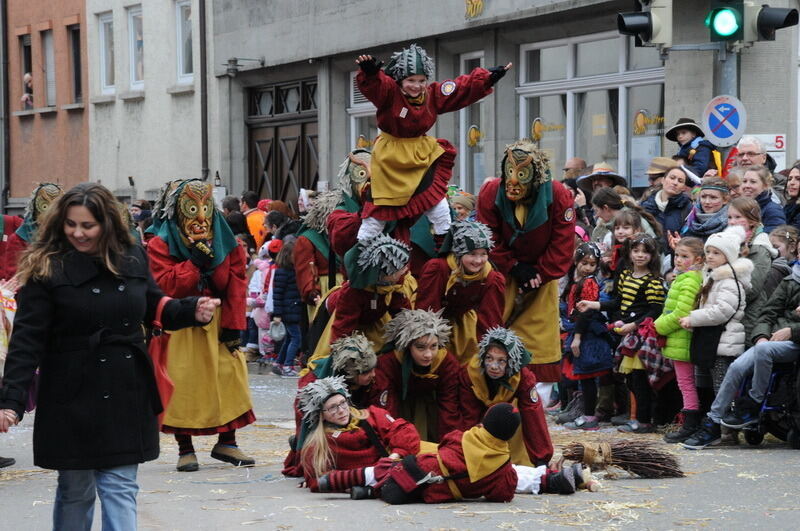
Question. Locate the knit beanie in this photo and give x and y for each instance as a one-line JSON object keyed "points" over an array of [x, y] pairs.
{"points": [[501, 421], [729, 242]]}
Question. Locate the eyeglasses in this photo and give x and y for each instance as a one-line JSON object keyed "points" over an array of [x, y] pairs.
{"points": [[341, 406], [748, 154]]}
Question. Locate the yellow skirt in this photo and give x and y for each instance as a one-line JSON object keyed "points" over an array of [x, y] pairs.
{"points": [[398, 166], [537, 324], [211, 387], [630, 364]]}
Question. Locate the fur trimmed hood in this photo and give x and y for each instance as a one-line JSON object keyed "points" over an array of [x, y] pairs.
{"points": [[742, 266], [762, 239]]}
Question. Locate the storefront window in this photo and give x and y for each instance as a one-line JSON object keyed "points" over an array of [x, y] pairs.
{"points": [[471, 168], [547, 122], [646, 126], [597, 57], [546, 64], [596, 126]]}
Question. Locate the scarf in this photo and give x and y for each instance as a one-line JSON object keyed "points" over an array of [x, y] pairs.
{"points": [[407, 368], [796, 272], [661, 204], [505, 391], [458, 275], [535, 214], [703, 225], [483, 453]]}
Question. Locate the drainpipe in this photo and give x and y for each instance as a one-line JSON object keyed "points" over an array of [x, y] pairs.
{"points": [[5, 177], [203, 92]]}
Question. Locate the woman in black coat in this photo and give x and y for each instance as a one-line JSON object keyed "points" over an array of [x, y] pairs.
{"points": [[86, 292]]}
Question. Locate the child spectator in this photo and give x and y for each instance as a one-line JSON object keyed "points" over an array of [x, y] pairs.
{"points": [[784, 239], [695, 149], [638, 295], [680, 301], [288, 308]]}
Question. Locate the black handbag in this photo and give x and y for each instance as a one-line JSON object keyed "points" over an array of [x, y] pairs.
{"points": [[705, 339]]}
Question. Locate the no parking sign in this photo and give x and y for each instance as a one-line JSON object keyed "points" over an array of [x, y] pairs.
{"points": [[724, 121]]}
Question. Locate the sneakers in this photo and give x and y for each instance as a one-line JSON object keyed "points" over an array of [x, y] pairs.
{"points": [[289, 372], [187, 463], [691, 421], [6, 461], [573, 410], [634, 426], [583, 423], [745, 413], [277, 369], [232, 455], [707, 435], [620, 420]]}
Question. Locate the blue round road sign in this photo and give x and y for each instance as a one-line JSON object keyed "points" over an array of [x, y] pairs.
{"points": [[724, 120]]}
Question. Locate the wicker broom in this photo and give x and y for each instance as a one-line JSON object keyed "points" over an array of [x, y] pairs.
{"points": [[641, 458]]}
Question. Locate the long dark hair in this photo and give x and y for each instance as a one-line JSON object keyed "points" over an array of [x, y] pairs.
{"points": [[51, 242], [285, 258], [650, 245]]}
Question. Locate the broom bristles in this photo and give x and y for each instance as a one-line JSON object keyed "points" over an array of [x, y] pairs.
{"points": [[641, 458]]}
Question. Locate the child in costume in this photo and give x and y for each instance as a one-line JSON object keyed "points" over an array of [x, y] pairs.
{"points": [[410, 171], [638, 295], [344, 439], [532, 219], [194, 252], [465, 285], [352, 357], [466, 465], [417, 378], [378, 287], [500, 372], [589, 358], [680, 302]]}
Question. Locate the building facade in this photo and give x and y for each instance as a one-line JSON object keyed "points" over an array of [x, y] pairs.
{"points": [[48, 126], [145, 111], [289, 109]]}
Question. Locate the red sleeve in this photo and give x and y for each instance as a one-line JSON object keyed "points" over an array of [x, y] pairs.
{"points": [[555, 262], [501, 255], [377, 89], [447, 395], [490, 312], [343, 230], [307, 279], [386, 389], [471, 407], [176, 279], [399, 435], [434, 280], [534, 426], [469, 89], [348, 310], [590, 290], [230, 280]]}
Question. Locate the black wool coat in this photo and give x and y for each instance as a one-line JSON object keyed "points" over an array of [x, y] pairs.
{"points": [[97, 403]]}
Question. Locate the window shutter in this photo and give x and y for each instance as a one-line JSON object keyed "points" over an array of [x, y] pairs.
{"points": [[356, 98], [49, 67]]}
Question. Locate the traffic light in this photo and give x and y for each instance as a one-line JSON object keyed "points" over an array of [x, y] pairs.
{"points": [[651, 25], [761, 21], [725, 20]]}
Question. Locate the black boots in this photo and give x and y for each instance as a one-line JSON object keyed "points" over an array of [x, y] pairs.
{"points": [[562, 482], [691, 421]]}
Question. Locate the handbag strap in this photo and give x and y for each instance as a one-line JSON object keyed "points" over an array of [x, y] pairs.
{"points": [[157, 327], [373, 437], [738, 296]]}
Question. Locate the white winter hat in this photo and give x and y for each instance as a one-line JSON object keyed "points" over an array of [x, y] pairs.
{"points": [[729, 242]]}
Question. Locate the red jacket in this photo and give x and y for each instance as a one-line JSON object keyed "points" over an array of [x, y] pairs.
{"points": [[548, 247], [309, 264], [534, 426], [485, 297], [179, 278], [354, 449], [499, 486], [11, 246], [387, 391], [354, 309]]}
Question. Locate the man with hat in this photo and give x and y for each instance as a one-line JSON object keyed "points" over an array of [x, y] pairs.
{"points": [[603, 175], [698, 151]]}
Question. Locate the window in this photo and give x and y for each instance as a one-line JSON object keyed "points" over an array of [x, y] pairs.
{"points": [[470, 133], [183, 18], [299, 97], [596, 97], [136, 48], [74, 33], [27, 70], [49, 60], [106, 38], [363, 122]]}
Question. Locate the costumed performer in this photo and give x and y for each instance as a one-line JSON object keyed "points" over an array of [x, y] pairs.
{"points": [[195, 253]]}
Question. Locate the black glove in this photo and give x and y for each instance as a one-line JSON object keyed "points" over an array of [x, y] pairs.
{"points": [[524, 273], [497, 72], [201, 255], [371, 66], [230, 338]]}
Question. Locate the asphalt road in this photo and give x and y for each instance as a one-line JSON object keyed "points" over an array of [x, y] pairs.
{"points": [[725, 488]]}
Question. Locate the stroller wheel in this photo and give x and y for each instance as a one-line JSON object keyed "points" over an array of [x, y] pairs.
{"points": [[753, 437], [794, 439]]}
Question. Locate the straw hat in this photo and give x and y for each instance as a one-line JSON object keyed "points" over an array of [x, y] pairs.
{"points": [[661, 165], [604, 170]]}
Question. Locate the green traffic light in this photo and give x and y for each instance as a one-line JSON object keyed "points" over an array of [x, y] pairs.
{"points": [[724, 22]]}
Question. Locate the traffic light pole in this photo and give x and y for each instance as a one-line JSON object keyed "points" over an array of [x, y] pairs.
{"points": [[726, 66]]}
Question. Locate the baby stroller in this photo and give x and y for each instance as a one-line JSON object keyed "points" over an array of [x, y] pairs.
{"points": [[780, 411]]}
